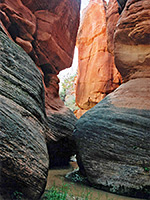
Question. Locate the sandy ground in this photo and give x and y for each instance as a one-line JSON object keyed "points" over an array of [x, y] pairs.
{"points": [[57, 177]]}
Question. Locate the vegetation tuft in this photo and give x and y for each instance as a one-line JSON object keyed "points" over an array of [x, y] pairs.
{"points": [[64, 193], [17, 195], [55, 193]]}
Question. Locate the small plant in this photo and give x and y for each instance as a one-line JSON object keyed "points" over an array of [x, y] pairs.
{"points": [[17, 195], [86, 196], [55, 193], [135, 147], [146, 169]]}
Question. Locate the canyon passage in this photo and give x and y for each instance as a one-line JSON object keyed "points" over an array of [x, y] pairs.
{"points": [[110, 131]]}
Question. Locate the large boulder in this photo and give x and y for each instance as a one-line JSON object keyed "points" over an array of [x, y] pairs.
{"points": [[112, 140], [63, 146], [97, 73], [112, 137], [24, 157]]}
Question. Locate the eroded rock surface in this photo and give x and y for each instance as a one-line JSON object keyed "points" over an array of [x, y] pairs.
{"points": [[62, 124], [112, 17], [24, 157], [97, 74], [121, 4], [117, 129], [38, 27], [132, 40], [47, 30], [112, 141]]}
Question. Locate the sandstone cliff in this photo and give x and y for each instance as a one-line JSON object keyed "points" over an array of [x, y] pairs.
{"points": [[38, 28], [117, 129], [132, 40], [97, 74]]}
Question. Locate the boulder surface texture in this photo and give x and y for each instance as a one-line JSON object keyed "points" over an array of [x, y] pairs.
{"points": [[32, 120], [47, 31], [24, 158], [97, 73], [113, 137]]}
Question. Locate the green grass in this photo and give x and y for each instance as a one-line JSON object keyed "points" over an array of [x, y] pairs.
{"points": [[17, 195], [63, 193], [55, 193]]}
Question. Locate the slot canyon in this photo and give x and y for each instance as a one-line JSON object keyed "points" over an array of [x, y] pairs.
{"points": [[110, 130]]}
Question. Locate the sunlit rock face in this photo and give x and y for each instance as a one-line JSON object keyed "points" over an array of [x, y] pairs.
{"points": [[97, 74], [117, 129]]}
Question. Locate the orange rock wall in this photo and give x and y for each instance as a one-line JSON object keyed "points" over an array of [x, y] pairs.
{"points": [[132, 40], [47, 31], [112, 17], [97, 74]]}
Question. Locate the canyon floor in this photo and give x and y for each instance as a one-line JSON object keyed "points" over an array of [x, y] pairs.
{"points": [[57, 177]]}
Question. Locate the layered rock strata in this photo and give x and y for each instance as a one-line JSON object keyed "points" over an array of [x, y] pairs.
{"points": [[46, 30], [117, 129], [24, 157], [112, 17], [38, 27], [132, 41], [97, 74], [31, 119]]}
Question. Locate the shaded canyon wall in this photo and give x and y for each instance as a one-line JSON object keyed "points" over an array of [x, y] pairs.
{"points": [[36, 128], [38, 28]]}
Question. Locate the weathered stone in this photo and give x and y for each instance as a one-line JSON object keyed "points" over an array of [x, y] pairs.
{"points": [[112, 17], [132, 40], [47, 30], [22, 22], [121, 4], [23, 153], [61, 121], [62, 124], [112, 140], [97, 74], [26, 45], [113, 151], [50, 25]]}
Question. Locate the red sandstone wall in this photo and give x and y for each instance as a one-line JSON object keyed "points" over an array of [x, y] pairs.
{"points": [[97, 73]]}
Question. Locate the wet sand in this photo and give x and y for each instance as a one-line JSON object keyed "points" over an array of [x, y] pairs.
{"points": [[57, 177]]}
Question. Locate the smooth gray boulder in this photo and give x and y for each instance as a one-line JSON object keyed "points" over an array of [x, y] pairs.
{"points": [[113, 141]]}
